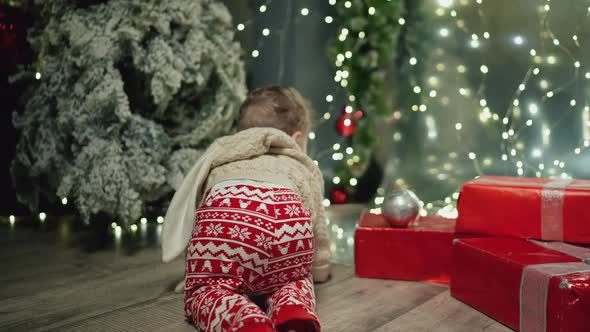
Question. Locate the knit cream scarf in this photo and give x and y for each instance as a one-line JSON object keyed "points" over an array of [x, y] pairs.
{"points": [[246, 144]]}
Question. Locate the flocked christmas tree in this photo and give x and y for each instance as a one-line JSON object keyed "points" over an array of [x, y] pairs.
{"points": [[127, 95]]}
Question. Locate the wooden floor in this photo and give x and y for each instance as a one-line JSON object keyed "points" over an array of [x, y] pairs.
{"points": [[56, 277]]}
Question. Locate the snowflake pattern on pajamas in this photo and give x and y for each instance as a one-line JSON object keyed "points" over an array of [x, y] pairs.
{"points": [[250, 240]]}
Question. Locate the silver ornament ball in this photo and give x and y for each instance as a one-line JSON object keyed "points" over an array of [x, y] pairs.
{"points": [[400, 207]]}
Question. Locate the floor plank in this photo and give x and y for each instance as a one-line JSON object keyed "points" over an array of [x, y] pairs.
{"points": [[99, 293], [443, 314], [54, 280], [366, 304], [166, 312], [162, 314]]}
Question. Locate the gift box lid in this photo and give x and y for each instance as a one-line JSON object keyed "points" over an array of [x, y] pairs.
{"points": [[542, 209], [524, 183], [522, 283], [517, 251]]}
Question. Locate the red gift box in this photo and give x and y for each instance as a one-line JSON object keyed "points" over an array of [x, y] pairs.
{"points": [[420, 252], [544, 209], [522, 284]]}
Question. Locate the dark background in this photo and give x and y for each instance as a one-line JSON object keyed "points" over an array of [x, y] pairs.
{"points": [[13, 51]]}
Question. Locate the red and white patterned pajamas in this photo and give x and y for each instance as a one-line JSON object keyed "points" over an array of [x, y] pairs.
{"points": [[251, 238]]}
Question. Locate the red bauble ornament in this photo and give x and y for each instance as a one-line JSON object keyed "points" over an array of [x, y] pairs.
{"points": [[338, 196], [345, 125]]}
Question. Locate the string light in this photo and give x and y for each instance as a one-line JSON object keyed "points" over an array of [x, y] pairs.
{"points": [[510, 121], [42, 216], [143, 221], [445, 3], [64, 201], [11, 220], [38, 75], [118, 231], [160, 219]]}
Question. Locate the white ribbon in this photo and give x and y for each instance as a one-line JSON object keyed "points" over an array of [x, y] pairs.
{"points": [[534, 287], [552, 209], [534, 284]]}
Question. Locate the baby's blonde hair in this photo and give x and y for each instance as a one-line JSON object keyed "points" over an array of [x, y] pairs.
{"points": [[277, 107]]}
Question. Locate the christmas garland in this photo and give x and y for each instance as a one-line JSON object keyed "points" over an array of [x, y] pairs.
{"points": [[374, 45]]}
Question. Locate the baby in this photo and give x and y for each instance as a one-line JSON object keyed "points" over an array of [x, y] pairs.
{"points": [[260, 224]]}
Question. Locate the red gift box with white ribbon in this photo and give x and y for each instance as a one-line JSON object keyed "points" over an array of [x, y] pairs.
{"points": [[529, 286], [421, 252], [543, 209]]}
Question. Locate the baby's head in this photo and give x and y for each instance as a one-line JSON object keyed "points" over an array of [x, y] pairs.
{"points": [[277, 107]]}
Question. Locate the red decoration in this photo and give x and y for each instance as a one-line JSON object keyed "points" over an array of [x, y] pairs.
{"points": [[421, 252], [487, 274], [544, 209], [338, 196], [346, 125]]}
